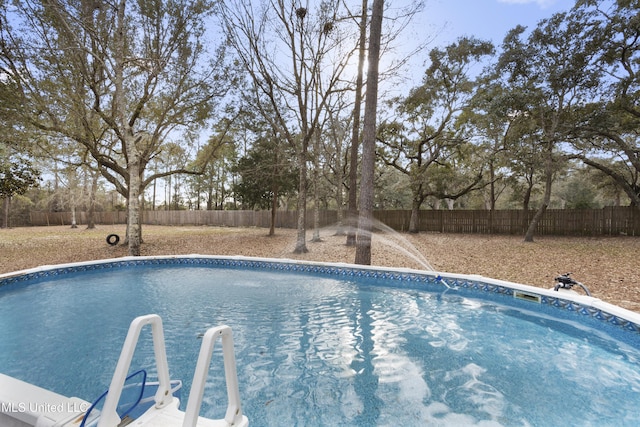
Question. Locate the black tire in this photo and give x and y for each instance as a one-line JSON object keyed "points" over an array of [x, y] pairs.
{"points": [[113, 239]]}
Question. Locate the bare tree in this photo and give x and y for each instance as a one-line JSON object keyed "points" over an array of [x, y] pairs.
{"points": [[295, 58], [363, 238], [355, 132], [396, 25]]}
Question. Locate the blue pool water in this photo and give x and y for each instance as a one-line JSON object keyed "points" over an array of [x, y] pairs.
{"points": [[317, 349]]}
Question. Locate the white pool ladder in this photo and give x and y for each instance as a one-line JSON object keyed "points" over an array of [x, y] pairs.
{"points": [[165, 412]]}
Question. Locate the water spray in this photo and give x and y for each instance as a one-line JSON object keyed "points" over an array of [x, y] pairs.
{"points": [[388, 237]]}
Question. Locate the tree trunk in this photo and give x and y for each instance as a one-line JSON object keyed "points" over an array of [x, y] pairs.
{"points": [[6, 203], [301, 239], [363, 238], [316, 191], [339, 184], [72, 202], [352, 213], [153, 200], [525, 205], [274, 207], [74, 223], [546, 200], [413, 220], [450, 204], [492, 206], [134, 231], [91, 215]]}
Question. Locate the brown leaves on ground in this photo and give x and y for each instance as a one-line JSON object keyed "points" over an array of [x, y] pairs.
{"points": [[607, 265]]}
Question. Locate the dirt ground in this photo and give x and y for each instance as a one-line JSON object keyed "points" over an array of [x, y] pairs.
{"points": [[609, 266]]}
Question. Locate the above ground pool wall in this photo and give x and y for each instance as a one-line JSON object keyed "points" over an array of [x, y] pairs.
{"points": [[595, 308]]}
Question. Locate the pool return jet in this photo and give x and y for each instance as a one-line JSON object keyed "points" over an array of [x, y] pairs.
{"points": [[130, 400]]}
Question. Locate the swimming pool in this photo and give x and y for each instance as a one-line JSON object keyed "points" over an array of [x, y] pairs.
{"points": [[326, 344]]}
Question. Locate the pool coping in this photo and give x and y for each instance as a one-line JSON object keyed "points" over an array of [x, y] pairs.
{"points": [[568, 300]]}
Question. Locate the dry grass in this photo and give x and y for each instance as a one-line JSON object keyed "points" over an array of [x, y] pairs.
{"points": [[608, 266]]}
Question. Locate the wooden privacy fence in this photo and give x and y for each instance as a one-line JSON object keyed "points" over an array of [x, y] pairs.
{"points": [[586, 222], [611, 221]]}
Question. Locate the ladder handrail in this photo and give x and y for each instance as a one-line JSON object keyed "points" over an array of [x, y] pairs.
{"points": [[109, 416], [233, 415]]}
